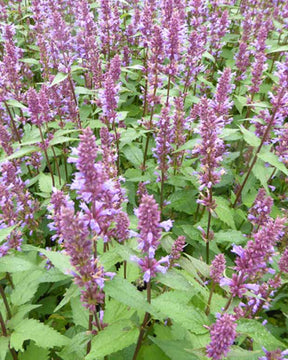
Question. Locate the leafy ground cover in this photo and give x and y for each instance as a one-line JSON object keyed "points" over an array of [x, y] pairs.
{"points": [[143, 179]]}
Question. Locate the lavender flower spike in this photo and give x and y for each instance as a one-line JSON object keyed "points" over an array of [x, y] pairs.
{"points": [[223, 334], [217, 268], [149, 225]]}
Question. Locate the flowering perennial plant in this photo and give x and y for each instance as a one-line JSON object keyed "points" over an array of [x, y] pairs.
{"points": [[143, 179]]}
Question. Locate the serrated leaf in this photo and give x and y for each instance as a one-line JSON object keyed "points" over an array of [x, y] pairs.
{"points": [[282, 48], [4, 343], [176, 350], [26, 285], [80, 313], [133, 154], [59, 78], [194, 266], [43, 335], [45, 182], [34, 352], [71, 293], [80, 90], [30, 61], [237, 353], [260, 335], [224, 212], [5, 232], [77, 348], [273, 160], [250, 137], [124, 292], [113, 338], [240, 102], [62, 139], [12, 263], [229, 237], [175, 280], [174, 305], [115, 311], [59, 260], [22, 152], [262, 173], [20, 313], [17, 104]]}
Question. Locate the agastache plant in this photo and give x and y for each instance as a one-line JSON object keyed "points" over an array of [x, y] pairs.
{"points": [[119, 119], [211, 149]]}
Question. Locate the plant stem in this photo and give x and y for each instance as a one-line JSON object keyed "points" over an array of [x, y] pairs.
{"points": [[207, 311], [46, 155], [258, 150], [208, 228], [4, 332], [89, 329], [144, 323], [5, 302]]}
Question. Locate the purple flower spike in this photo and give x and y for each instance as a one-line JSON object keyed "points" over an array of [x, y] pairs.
{"points": [[223, 334], [217, 268], [274, 355], [283, 263], [149, 224]]}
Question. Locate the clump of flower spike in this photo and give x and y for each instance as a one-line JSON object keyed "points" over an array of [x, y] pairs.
{"points": [[89, 276], [163, 143], [259, 213], [211, 148], [274, 355], [149, 235], [17, 208], [101, 195], [223, 334], [217, 268]]}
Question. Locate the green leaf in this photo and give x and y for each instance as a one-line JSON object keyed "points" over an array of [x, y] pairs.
{"points": [[17, 104], [43, 335], [80, 90], [224, 212], [113, 338], [59, 78], [30, 61], [176, 350], [62, 139], [59, 260], [76, 349], [260, 335], [250, 137], [262, 173], [133, 154], [237, 353], [240, 102], [22, 152], [71, 293], [174, 305], [12, 263], [26, 284], [273, 160], [5, 232], [4, 343], [33, 352], [229, 237], [282, 48], [45, 183], [175, 280], [124, 292], [115, 311], [194, 266], [80, 313]]}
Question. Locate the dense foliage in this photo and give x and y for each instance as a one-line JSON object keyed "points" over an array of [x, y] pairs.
{"points": [[143, 179]]}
